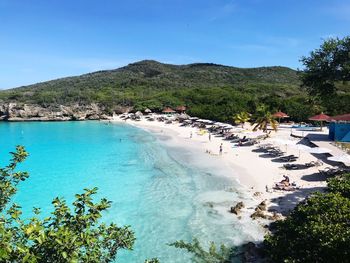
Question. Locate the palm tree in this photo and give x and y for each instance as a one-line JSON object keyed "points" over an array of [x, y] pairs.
{"points": [[264, 118], [241, 118]]}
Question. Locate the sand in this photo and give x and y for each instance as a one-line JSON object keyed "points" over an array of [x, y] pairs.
{"points": [[256, 174]]}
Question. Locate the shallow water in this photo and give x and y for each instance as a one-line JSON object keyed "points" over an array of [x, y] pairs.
{"points": [[162, 192]]}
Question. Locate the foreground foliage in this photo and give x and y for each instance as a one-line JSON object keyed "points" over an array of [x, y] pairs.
{"points": [[327, 75], [200, 255], [340, 184], [67, 235], [318, 230]]}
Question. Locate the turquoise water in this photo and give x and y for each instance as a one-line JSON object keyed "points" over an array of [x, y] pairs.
{"points": [[154, 188]]}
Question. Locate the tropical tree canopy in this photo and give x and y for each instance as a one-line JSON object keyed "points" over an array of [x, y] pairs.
{"points": [[327, 68], [263, 118], [241, 118]]}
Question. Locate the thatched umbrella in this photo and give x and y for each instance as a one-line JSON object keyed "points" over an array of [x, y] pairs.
{"points": [[168, 110], [181, 109], [138, 114], [320, 117], [280, 115], [147, 110]]}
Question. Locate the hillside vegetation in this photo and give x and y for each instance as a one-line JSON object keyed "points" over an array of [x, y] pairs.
{"points": [[210, 90]]}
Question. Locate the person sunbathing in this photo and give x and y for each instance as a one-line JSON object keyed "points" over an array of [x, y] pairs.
{"points": [[284, 182]]}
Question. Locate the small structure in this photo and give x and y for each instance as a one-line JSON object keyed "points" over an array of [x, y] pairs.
{"points": [[147, 111], [280, 115], [320, 117], [168, 110], [339, 128], [181, 109]]}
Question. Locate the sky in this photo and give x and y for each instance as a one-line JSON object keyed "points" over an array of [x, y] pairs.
{"points": [[42, 40]]}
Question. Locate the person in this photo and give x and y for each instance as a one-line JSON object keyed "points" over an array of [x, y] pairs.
{"points": [[209, 136], [220, 149], [191, 135], [285, 181]]}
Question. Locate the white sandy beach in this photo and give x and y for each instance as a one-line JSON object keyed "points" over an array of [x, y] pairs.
{"points": [[254, 173]]}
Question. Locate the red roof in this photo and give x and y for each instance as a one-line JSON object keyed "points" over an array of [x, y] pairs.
{"points": [[280, 114], [319, 117], [168, 110], [344, 117]]}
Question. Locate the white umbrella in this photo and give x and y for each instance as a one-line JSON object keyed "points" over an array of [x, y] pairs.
{"points": [[319, 150], [340, 158], [301, 147], [284, 142], [255, 134]]}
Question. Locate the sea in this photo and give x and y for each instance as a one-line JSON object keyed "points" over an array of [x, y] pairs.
{"points": [[163, 192]]}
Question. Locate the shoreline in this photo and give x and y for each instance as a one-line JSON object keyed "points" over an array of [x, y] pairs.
{"points": [[253, 173]]}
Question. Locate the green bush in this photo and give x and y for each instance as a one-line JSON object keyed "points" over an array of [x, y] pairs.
{"points": [[340, 184], [317, 230]]}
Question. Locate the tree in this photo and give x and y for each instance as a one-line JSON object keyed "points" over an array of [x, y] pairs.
{"points": [[200, 255], [65, 236], [317, 230], [263, 118], [340, 184], [327, 67], [241, 118]]}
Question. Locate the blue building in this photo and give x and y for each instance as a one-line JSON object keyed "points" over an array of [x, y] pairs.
{"points": [[339, 128]]}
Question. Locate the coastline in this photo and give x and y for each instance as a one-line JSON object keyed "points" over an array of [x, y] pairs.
{"points": [[253, 173]]}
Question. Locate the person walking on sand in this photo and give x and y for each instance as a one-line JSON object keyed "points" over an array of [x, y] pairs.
{"points": [[220, 152], [191, 135], [209, 136]]}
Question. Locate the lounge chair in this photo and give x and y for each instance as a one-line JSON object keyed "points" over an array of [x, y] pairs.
{"points": [[302, 166], [285, 188], [333, 171], [288, 158], [248, 142]]}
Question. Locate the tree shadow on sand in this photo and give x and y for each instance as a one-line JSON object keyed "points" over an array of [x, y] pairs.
{"points": [[286, 203]]}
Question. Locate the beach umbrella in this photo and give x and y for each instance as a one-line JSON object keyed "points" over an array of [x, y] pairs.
{"points": [[255, 134], [320, 117], [345, 159], [301, 147], [147, 110], [319, 150], [280, 115], [285, 142], [168, 110], [343, 117], [181, 109], [138, 114]]}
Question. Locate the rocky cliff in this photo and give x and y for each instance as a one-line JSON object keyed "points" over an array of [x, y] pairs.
{"points": [[26, 112]]}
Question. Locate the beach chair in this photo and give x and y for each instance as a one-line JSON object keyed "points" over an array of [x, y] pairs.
{"points": [[288, 158], [289, 188]]}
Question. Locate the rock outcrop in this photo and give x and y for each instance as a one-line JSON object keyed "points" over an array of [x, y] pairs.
{"points": [[237, 208], [26, 112]]}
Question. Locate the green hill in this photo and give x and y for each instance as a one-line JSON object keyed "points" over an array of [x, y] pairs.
{"points": [[152, 84]]}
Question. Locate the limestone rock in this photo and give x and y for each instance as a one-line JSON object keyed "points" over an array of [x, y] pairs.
{"points": [[29, 112], [237, 208]]}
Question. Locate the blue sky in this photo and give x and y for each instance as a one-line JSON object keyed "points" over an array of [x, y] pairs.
{"points": [[42, 40]]}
